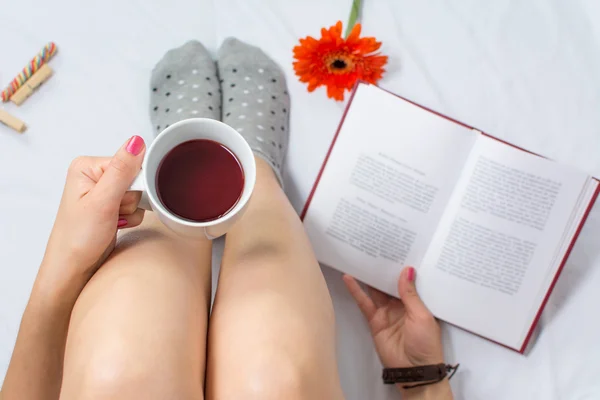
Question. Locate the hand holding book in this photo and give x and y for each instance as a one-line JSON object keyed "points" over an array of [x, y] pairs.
{"points": [[404, 331], [489, 225]]}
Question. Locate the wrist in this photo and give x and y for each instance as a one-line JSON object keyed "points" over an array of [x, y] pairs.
{"points": [[55, 286], [436, 391]]}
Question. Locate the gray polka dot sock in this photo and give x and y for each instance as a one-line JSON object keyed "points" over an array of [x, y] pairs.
{"points": [[184, 84], [255, 100]]}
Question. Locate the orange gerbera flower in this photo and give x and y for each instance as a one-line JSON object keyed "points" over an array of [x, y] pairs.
{"points": [[338, 63]]}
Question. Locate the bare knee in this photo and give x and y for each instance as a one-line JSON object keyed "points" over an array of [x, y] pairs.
{"points": [[264, 378], [276, 377], [104, 378], [115, 374], [101, 376], [127, 337]]}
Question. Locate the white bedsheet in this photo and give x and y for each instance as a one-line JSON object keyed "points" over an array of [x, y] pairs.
{"points": [[527, 71]]}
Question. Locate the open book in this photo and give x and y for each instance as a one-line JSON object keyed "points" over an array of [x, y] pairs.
{"points": [[488, 226]]}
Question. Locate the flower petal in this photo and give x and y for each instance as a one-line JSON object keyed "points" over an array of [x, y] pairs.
{"points": [[354, 33]]}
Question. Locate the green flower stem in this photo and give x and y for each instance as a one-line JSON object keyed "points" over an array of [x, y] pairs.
{"points": [[354, 16]]}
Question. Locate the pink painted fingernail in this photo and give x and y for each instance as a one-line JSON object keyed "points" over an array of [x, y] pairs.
{"points": [[121, 223], [410, 274], [135, 145]]}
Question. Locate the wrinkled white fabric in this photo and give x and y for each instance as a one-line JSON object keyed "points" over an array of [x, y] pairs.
{"points": [[526, 71]]}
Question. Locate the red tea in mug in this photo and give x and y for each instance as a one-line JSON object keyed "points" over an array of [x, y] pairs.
{"points": [[200, 180]]}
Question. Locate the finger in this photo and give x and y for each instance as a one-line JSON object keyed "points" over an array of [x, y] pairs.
{"points": [[408, 292], [130, 202], [379, 298], [121, 171], [131, 220], [364, 302], [84, 172], [83, 162]]}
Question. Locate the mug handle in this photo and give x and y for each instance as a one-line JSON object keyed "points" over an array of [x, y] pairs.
{"points": [[139, 185]]}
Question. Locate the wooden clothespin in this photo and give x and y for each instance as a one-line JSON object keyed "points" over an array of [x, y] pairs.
{"points": [[12, 122], [29, 71], [41, 76]]}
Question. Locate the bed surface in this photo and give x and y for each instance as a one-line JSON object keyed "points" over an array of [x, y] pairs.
{"points": [[525, 71]]}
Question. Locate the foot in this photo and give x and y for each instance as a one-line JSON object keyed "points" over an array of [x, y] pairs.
{"points": [[255, 100], [184, 84]]}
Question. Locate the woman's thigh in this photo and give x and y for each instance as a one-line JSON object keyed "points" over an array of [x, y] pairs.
{"points": [[138, 330], [272, 328]]}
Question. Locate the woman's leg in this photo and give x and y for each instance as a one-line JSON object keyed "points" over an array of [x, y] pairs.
{"points": [[138, 330], [272, 326]]}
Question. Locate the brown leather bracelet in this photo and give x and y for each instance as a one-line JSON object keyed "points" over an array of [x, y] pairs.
{"points": [[427, 374]]}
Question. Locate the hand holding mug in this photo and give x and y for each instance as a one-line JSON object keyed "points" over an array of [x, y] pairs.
{"points": [[169, 175], [103, 194], [95, 203]]}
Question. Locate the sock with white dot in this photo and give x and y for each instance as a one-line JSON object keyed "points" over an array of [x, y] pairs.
{"points": [[255, 100], [184, 84]]}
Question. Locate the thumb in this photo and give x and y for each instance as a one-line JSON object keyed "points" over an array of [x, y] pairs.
{"points": [[122, 170], [408, 292]]}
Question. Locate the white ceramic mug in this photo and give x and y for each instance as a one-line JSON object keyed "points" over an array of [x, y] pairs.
{"points": [[180, 132]]}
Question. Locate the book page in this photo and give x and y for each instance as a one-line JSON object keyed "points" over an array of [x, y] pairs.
{"points": [[499, 239], [385, 186]]}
